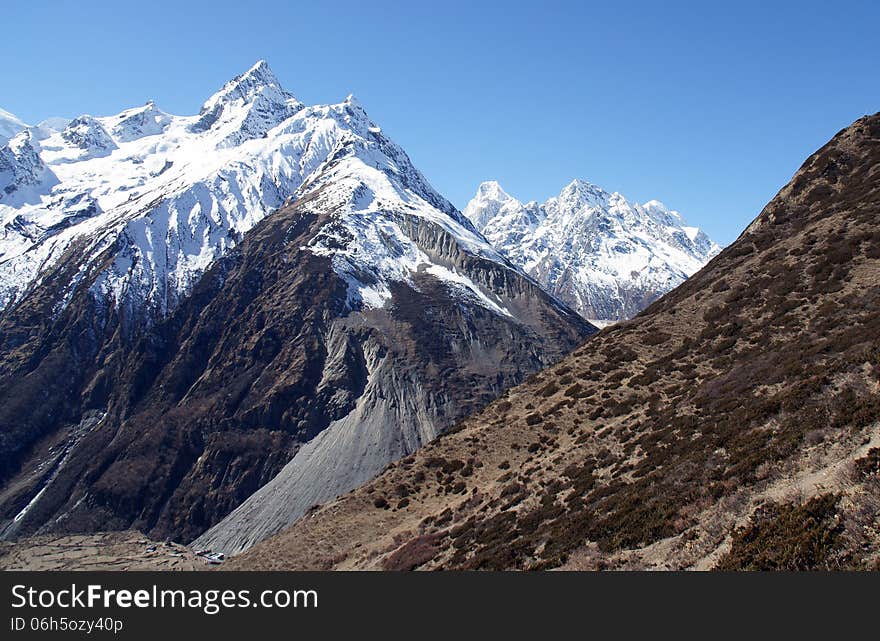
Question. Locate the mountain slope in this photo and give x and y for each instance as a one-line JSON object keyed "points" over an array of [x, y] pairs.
{"points": [[280, 288], [733, 424], [10, 124], [604, 256]]}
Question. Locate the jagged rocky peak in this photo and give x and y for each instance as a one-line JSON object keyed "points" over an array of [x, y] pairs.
{"points": [[248, 105], [23, 175], [579, 193], [491, 190], [138, 122], [488, 203], [256, 80], [89, 135], [605, 256]]}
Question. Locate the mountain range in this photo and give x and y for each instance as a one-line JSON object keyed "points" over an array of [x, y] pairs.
{"points": [[605, 257], [257, 307]]}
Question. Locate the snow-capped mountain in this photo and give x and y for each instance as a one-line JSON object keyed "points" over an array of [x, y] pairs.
{"points": [[606, 257], [263, 295], [170, 194], [10, 125]]}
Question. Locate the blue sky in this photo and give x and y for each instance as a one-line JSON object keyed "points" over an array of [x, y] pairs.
{"points": [[710, 109]]}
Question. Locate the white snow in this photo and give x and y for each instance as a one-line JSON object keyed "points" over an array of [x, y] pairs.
{"points": [[590, 247], [602, 323], [167, 195], [53, 124], [10, 124]]}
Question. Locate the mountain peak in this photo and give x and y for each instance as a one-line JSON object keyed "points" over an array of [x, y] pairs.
{"points": [[260, 66], [655, 204], [89, 135], [10, 124], [23, 175], [247, 106], [594, 250], [259, 74], [247, 86], [489, 201], [583, 191], [138, 122], [491, 189]]}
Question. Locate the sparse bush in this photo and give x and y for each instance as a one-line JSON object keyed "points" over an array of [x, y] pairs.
{"points": [[789, 537], [869, 465], [413, 553], [656, 338]]}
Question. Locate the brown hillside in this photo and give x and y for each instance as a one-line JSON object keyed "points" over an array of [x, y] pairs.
{"points": [[733, 424]]}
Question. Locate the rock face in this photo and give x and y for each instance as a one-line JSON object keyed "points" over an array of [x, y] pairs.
{"points": [[605, 257], [23, 174], [264, 292], [734, 424]]}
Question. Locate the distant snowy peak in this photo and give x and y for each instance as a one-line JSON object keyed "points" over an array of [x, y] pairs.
{"points": [[606, 257], [10, 125], [88, 135], [489, 202], [24, 176], [580, 193], [53, 124], [136, 123]]}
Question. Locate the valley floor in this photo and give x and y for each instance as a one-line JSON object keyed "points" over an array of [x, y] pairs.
{"points": [[128, 550]]}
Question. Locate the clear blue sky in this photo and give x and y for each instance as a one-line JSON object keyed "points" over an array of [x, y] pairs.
{"points": [[707, 108]]}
